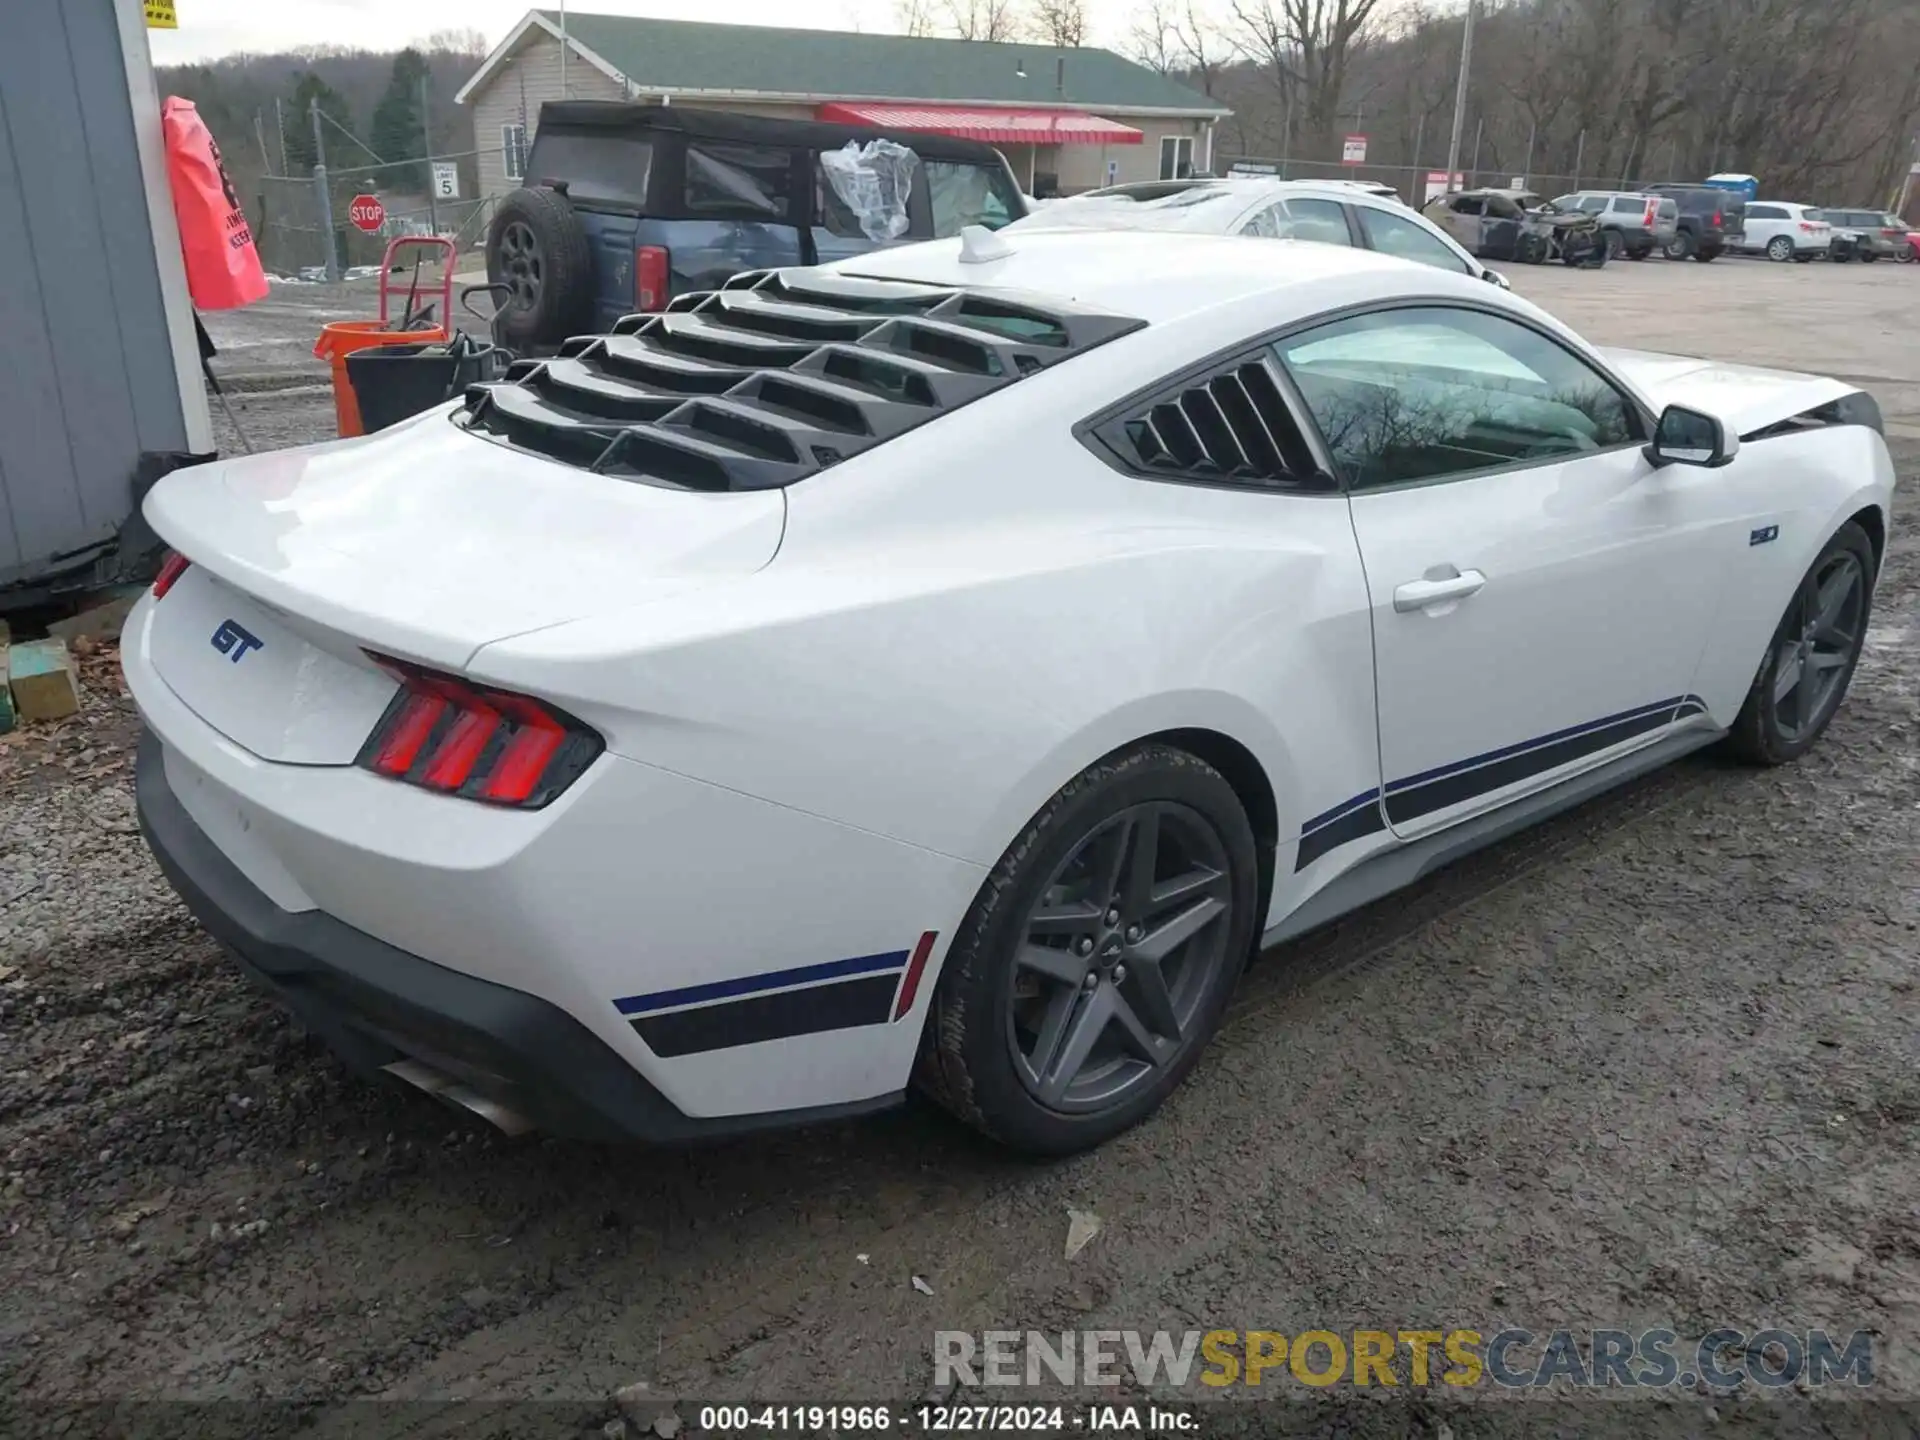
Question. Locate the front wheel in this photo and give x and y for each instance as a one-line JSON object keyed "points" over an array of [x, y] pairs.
{"points": [[1812, 655], [1616, 244], [1680, 247], [1098, 957], [1780, 248]]}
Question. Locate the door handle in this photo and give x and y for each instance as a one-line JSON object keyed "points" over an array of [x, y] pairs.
{"points": [[1439, 585]]}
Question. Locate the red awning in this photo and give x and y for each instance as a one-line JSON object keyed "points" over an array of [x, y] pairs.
{"points": [[1003, 127]]}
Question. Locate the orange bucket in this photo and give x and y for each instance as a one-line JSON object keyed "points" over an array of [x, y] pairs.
{"points": [[340, 339]]}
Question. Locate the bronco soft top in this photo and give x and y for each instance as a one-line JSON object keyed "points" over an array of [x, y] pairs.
{"points": [[683, 122]]}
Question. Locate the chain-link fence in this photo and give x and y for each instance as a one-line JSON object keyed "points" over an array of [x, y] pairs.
{"points": [[1418, 183], [299, 236]]}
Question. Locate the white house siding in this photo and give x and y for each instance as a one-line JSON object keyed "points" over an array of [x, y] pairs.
{"points": [[533, 69]]}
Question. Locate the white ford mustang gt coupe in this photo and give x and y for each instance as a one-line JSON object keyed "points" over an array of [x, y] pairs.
{"points": [[950, 667]]}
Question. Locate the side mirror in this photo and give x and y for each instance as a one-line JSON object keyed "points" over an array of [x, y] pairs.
{"points": [[1691, 437], [1494, 277]]}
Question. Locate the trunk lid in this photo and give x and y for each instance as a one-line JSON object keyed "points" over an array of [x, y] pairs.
{"points": [[429, 542], [423, 542], [1746, 397]]}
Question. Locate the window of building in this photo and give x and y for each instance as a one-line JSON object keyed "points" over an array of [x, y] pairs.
{"points": [[1176, 157], [513, 151]]}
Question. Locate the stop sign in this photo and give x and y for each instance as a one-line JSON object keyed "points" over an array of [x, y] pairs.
{"points": [[367, 212]]}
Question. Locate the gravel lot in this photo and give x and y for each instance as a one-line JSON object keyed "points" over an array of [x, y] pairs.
{"points": [[1653, 1064]]}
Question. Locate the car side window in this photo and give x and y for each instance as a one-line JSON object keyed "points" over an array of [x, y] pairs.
{"points": [[748, 181], [1765, 212], [1469, 205], [1267, 224], [963, 194], [1324, 221], [1593, 204], [1393, 234], [1428, 392]]}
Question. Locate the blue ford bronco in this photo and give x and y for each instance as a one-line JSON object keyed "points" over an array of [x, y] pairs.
{"points": [[627, 206]]}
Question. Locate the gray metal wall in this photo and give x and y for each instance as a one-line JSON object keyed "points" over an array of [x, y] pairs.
{"points": [[87, 379]]}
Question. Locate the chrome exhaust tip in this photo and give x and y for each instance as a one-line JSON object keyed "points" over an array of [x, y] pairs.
{"points": [[443, 1086]]}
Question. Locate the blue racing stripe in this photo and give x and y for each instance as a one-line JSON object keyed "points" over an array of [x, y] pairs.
{"points": [[751, 984], [1533, 744], [1327, 817]]}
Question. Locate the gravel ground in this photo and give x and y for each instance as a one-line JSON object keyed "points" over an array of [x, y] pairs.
{"points": [[1652, 1064]]}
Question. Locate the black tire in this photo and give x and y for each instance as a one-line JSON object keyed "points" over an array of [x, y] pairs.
{"points": [[1802, 259], [967, 1058], [1780, 249], [1868, 255], [1760, 734], [1530, 249], [538, 247], [1680, 247], [1616, 244], [1642, 253], [1707, 256]]}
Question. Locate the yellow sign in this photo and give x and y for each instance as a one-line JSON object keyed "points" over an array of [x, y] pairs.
{"points": [[160, 15]]}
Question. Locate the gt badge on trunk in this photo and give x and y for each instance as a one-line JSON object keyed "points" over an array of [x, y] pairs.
{"points": [[233, 640]]}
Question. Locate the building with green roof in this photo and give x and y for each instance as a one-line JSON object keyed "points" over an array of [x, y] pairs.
{"points": [[1067, 119]]}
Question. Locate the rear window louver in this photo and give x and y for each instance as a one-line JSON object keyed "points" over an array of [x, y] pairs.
{"points": [[1230, 425], [775, 376]]}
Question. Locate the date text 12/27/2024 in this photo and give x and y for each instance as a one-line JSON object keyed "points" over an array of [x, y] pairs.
{"points": [[946, 1419]]}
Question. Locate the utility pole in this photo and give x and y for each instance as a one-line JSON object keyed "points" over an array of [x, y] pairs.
{"points": [[1526, 172], [1414, 187], [426, 137], [1460, 97], [324, 199], [563, 51], [1479, 128], [280, 129]]}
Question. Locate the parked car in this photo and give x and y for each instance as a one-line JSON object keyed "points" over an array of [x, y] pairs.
{"points": [[948, 667], [1518, 225], [1710, 219], [1633, 224], [1876, 234], [627, 206], [1333, 214], [1781, 230]]}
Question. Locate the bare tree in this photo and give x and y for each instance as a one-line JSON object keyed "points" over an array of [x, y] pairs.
{"points": [[916, 17], [1061, 22], [1307, 48], [983, 19]]}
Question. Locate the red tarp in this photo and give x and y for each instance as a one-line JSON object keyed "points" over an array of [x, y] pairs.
{"points": [[1002, 127]]}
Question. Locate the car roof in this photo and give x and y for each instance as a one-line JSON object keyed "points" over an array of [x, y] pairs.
{"points": [[1191, 205], [1156, 275], [629, 118]]}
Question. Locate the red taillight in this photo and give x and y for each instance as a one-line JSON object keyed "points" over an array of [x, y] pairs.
{"points": [[1716, 218], [1652, 208], [442, 733], [650, 278], [171, 569]]}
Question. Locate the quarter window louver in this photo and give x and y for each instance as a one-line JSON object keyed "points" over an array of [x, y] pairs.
{"points": [[1229, 426], [775, 376]]}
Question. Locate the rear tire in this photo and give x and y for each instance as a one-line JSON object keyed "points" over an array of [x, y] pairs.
{"points": [[1012, 978], [1680, 247], [1812, 655], [1706, 257], [1616, 244], [1780, 249], [537, 246]]}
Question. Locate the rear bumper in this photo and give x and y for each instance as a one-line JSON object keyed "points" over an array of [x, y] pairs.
{"points": [[374, 1003]]}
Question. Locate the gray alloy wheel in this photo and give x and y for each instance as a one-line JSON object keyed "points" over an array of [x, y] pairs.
{"points": [[1120, 953], [1680, 247], [1616, 244], [1780, 248], [522, 266], [1816, 646]]}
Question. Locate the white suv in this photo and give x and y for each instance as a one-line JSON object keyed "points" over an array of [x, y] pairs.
{"points": [[1783, 231]]}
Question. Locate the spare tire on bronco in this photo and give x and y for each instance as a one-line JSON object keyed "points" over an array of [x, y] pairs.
{"points": [[537, 247]]}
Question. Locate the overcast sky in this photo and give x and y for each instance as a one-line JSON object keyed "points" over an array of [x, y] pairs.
{"points": [[210, 28]]}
